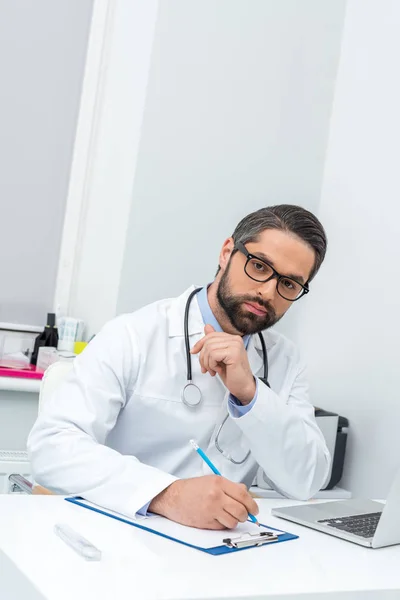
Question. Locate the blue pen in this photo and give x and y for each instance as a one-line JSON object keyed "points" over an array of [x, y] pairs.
{"points": [[214, 469]]}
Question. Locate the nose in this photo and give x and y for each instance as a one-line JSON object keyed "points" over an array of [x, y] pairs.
{"points": [[267, 289]]}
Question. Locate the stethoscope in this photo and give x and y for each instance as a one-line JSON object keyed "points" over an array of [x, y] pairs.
{"points": [[191, 393]]}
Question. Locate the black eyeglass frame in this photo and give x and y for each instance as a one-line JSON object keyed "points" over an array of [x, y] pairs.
{"points": [[243, 250]]}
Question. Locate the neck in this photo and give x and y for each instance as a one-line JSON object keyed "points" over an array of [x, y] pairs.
{"points": [[218, 311]]}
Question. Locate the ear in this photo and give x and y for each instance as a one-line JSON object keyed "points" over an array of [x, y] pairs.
{"points": [[226, 251]]}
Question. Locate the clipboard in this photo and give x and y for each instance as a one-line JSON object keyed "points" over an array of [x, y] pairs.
{"points": [[232, 541]]}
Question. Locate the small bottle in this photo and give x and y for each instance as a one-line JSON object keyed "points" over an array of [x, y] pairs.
{"points": [[48, 337]]}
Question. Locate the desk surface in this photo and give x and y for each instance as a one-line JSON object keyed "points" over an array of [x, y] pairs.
{"points": [[139, 565]]}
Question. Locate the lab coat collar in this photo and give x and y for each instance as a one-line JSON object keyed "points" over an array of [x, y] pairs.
{"points": [[176, 314]]}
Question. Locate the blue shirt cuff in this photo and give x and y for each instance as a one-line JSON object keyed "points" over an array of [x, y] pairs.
{"points": [[143, 511], [237, 409]]}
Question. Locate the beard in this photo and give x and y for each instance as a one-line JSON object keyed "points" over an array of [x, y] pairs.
{"points": [[241, 319]]}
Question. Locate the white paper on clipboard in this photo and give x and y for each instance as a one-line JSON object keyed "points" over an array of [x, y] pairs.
{"points": [[202, 538]]}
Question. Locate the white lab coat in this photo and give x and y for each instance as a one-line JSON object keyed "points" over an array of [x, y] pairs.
{"points": [[117, 431]]}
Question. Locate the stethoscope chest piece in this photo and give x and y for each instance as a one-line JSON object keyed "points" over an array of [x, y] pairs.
{"points": [[191, 395]]}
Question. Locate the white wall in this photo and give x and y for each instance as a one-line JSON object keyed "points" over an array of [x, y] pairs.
{"points": [[18, 412], [236, 117], [103, 168], [42, 57], [350, 329]]}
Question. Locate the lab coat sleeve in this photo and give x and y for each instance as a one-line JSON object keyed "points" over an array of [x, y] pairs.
{"points": [[285, 439], [237, 409], [66, 444]]}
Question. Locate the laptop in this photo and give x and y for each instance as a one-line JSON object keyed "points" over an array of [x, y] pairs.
{"points": [[364, 522]]}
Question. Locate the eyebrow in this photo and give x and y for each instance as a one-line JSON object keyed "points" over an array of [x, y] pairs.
{"points": [[268, 260]]}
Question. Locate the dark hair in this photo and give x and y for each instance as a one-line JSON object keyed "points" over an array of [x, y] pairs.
{"points": [[285, 217]]}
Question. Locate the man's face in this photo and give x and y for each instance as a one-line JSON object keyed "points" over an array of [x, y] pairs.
{"points": [[252, 306]]}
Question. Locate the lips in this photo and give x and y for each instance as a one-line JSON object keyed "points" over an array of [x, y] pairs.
{"points": [[255, 309]]}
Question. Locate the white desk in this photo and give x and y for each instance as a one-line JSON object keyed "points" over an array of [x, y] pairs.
{"points": [[139, 565]]}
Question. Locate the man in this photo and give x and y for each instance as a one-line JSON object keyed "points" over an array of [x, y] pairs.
{"points": [[117, 431]]}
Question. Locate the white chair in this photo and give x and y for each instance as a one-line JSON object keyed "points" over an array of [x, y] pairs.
{"points": [[16, 463]]}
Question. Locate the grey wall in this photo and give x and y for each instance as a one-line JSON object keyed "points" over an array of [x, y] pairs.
{"points": [[42, 57], [236, 117]]}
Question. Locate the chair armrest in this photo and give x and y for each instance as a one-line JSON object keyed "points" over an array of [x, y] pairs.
{"points": [[18, 482]]}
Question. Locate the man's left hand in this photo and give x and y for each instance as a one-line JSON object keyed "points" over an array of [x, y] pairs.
{"points": [[226, 355]]}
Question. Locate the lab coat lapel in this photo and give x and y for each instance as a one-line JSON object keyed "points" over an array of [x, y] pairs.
{"points": [[255, 355], [176, 314]]}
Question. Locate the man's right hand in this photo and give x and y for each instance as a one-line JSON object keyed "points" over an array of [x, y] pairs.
{"points": [[209, 502]]}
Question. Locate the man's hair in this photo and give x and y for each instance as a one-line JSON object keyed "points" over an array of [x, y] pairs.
{"points": [[292, 219]]}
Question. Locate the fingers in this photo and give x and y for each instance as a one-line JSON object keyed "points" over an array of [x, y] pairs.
{"points": [[226, 520], [198, 346], [227, 511], [206, 347], [219, 350], [214, 335], [239, 492], [214, 361], [232, 514], [217, 525], [236, 510], [213, 356], [208, 330]]}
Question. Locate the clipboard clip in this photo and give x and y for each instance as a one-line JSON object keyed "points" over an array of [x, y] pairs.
{"points": [[250, 539]]}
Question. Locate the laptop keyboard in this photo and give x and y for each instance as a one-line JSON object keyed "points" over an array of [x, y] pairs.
{"points": [[362, 525]]}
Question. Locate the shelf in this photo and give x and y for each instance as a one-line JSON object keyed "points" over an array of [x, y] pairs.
{"points": [[16, 384], [333, 494]]}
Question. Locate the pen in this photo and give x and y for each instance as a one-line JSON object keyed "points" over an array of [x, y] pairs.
{"points": [[214, 469], [78, 543]]}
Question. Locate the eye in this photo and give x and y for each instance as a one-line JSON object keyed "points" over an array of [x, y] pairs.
{"points": [[289, 284], [259, 266]]}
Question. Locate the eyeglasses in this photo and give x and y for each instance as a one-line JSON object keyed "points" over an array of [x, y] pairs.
{"points": [[259, 270]]}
